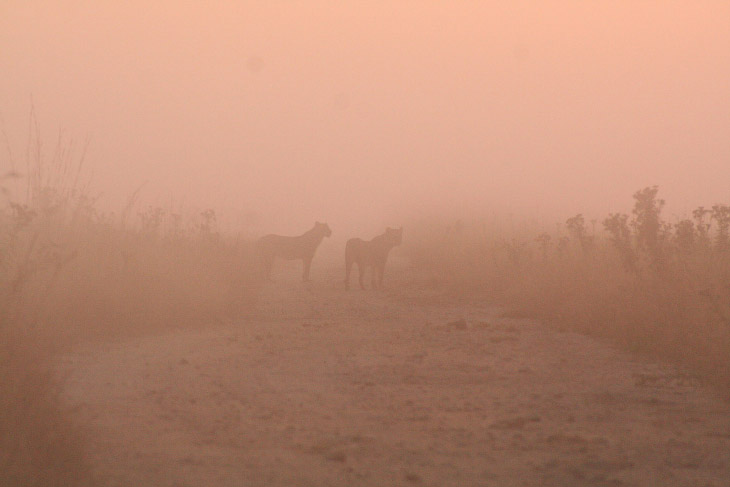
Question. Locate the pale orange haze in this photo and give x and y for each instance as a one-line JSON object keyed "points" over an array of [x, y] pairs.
{"points": [[360, 112]]}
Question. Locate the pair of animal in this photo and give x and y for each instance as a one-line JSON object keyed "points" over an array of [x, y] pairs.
{"points": [[371, 254]]}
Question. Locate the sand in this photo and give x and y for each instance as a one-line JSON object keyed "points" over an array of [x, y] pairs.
{"points": [[396, 387]]}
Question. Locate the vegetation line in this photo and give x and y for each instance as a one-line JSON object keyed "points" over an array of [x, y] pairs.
{"points": [[647, 284], [69, 272]]}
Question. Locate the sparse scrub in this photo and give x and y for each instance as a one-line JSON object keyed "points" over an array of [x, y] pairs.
{"points": [[721, 215], [646, 284], [577, 229], [684, 236], [69, 272], [703, 228]]}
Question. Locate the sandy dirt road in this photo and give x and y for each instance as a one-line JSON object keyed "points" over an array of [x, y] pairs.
{"points": [[324, 387]]}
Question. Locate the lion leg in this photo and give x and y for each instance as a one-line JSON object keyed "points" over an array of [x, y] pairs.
{"points": [[374, 276], [381, 270], [361, 275], [348, 268], [307, 265]]}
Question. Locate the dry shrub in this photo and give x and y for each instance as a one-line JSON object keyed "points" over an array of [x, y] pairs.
{"points": [[70, 273], [66, 279], [644, 284]]}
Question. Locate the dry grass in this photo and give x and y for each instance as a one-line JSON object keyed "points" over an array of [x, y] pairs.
{"points": [[662, 290], [70, 273], [39, 446]]}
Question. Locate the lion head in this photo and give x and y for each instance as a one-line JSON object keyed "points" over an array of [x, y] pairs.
{"points": [[323, 229]]}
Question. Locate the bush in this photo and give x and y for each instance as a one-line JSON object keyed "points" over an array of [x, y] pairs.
{"points": [[68, 273], [645, 284]]}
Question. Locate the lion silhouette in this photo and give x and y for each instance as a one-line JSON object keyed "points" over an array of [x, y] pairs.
{"points": [[303, 247], [372, 254]]}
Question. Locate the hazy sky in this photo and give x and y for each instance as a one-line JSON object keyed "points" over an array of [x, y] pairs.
{"points": [[355, 112]]}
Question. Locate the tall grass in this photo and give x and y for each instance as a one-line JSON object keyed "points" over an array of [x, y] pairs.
{"points": [[647, 284], [69, 272]]}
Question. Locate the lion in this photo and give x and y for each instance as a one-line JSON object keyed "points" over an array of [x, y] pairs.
{"points": [[302, 247], [372, 254]]}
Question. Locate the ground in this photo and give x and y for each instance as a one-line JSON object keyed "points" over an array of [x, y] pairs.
{"points": [[397, 387]]}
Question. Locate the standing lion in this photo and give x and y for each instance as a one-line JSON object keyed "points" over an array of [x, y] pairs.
{"points": [[301, 247], [372, 254]]}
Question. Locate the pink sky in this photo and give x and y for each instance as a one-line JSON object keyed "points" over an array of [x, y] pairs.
{"points": [[359, 112]]}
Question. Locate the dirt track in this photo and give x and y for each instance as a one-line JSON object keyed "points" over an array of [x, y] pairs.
{"points": [[389, 388]]}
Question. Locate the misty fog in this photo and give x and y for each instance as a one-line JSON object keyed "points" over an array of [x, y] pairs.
{"points": [[360, 113], [368, 243]]}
